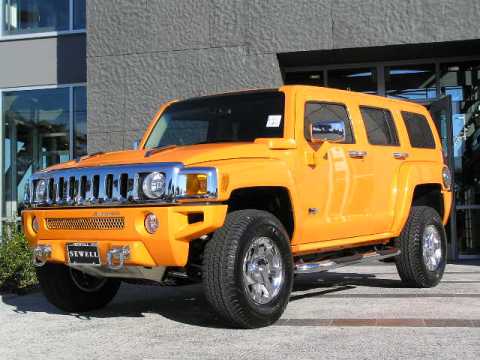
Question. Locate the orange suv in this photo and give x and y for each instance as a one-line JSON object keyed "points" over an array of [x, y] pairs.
{"points": [[241, 191]]}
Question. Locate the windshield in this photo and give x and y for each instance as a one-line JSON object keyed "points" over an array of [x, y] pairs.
{"points": [[241, 117]]}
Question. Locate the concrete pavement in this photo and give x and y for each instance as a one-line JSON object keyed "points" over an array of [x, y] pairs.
{"points": [[360, 312]]}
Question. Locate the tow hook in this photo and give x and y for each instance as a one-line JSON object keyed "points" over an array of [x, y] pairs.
{"points": [[116, 257], [41, 253]]}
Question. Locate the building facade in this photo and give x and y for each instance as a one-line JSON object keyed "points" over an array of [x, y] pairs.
{"points": [[42, 90]]}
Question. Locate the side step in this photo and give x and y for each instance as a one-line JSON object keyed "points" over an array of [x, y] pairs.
{"points": [[329, 264]]}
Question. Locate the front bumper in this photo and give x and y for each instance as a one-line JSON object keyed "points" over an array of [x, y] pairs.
{"points": [[167, 247]]}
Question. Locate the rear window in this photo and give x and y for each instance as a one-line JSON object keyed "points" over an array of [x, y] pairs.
{"points": [[380, 126], [419, 131]]}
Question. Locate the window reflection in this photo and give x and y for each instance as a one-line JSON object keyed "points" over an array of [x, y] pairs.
{"points": [[79, 14], [413, 82], [80, 120], [37, 134], [26, 16], [362, 80], [305, 78], [34, 16], [462, 82]]}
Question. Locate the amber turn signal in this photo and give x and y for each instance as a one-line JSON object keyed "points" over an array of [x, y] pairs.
{"points": [[196, 184]]}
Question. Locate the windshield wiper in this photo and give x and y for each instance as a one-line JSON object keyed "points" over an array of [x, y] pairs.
{"points": [[158, 149]]}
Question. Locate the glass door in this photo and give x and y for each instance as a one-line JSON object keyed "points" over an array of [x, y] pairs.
{"points": [[37, 128], [441, 111], [461, 81]]}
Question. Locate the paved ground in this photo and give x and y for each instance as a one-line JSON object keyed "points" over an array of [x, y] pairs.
{"points": [[360, 312]]}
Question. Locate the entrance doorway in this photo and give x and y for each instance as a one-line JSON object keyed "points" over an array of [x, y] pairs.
{"points": [[441, 111]]}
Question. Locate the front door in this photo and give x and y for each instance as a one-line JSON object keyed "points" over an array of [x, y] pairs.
{"points": [[333, 180]]}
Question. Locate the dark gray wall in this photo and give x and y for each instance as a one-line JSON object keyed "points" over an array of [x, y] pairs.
{"points": [[43, 61], [142, 53]]}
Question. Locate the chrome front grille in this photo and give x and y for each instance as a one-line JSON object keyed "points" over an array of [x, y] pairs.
{"points": [[85, 223], [114, 185], [100, 185]]}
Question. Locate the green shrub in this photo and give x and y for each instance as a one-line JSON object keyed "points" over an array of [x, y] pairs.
{"points": [[17, 272]]}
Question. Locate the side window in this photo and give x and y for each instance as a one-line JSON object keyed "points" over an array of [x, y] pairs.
{"points": [[419, 131], [318, 112], [380, 126]]}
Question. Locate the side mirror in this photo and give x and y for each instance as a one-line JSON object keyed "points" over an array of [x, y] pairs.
{"points": [[135, 144], [327, 130]]}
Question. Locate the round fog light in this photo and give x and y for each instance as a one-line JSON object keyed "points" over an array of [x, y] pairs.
{"points": [[35, 224], [151, 223]]}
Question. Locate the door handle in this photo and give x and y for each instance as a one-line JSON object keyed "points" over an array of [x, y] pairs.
{"points": [[355, 154], [400, 155]]}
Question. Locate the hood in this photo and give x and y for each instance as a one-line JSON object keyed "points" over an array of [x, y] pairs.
{"points": [[188, 155]]}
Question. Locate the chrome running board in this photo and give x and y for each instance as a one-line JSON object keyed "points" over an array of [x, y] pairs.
{"points": [[330, 264]]}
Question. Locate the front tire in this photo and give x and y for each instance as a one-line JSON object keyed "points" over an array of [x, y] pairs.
{"points": [[248, 269], [423, 245], [73, 291]]}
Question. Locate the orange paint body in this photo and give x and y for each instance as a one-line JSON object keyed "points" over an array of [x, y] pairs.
{"points": [[356, 201]]}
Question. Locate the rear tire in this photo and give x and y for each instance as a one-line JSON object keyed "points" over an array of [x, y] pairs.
{"points": [[423, 245], [248, 269], [73, 291]]}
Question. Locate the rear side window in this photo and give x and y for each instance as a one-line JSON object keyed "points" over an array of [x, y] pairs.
{"points": [[318, 112], [380, 126], [419, 131]]}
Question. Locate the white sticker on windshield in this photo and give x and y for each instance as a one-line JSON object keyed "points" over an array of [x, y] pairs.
{"points": [[274, 120]]}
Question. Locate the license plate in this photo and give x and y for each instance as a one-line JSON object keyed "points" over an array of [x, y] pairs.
{"points": [[83, 254]]}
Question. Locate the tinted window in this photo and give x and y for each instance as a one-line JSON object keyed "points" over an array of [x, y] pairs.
{"points": [[318, 112], [418, 130], [379, 126], [241, 117]]}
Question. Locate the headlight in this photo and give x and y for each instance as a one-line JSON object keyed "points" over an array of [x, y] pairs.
{"points": [[154, 185], [41, 190], [447, 178]]}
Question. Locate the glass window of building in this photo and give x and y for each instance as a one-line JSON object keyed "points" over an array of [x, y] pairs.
{"points": [[413, 82], [37, 16], [363, 80], [38, 127], [462, 82], [80, 120], [305, 78], [79, 14]]}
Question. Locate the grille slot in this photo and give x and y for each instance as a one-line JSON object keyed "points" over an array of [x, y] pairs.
{"points": [[86, 223]]}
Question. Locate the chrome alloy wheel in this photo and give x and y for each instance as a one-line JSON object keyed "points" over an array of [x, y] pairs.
{"points": [[263, 273], [432, 247]]}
